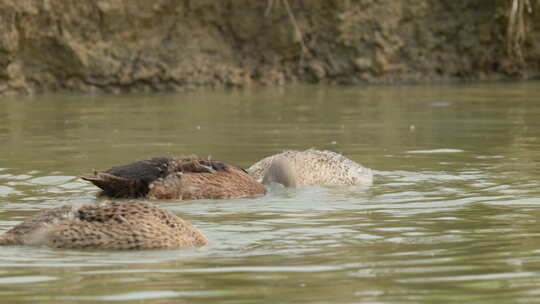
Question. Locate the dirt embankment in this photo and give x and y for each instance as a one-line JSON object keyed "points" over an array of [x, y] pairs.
{"points": [[139, 46]]}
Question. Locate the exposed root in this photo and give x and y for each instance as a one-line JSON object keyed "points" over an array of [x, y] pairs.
{"points": [[517, 29], [298, 36]]}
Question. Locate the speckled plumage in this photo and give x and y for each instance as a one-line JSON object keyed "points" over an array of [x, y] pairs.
{"points": [[182, 178], [112, 225], [310, 167]]}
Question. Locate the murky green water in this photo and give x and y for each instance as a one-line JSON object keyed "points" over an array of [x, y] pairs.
{"points": [[454, 214]]}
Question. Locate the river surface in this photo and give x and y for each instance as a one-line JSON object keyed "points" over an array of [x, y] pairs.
{"points": [[453, 215]]}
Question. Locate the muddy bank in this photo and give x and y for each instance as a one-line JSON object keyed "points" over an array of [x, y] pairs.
{"points": [[167, 45]]}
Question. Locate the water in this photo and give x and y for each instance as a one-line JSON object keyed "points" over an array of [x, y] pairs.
{"points": [[453, 214]]}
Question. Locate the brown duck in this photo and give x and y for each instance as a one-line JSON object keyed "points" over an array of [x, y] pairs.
{"points": [[111, 225], [184, 178]]}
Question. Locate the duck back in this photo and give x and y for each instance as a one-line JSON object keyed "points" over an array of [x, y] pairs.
{"points": [[113, 225], [311, 167]]}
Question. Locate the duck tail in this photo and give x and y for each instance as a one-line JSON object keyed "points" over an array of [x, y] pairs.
{"points": [[118, 187]]}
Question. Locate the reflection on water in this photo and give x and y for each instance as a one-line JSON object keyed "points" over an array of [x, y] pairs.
{"points": [[453, 213]]}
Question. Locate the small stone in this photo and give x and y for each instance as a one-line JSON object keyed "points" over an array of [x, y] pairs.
{"points": [[317, 69], [362, 63]]}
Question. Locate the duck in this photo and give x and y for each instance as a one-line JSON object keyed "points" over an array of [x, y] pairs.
{"points": [[115, 225], [180, 178], [310, 167]]}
